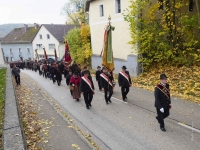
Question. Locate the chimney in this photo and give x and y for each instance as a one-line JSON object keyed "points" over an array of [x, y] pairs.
{"points": [[25, 27], [36, 25]]}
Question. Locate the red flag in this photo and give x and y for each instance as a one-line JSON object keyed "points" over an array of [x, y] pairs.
{"points": [[67, 54], [45, 54], [56, 57]]}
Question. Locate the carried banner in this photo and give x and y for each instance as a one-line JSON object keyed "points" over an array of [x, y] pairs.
{"points": [[67, 54]]}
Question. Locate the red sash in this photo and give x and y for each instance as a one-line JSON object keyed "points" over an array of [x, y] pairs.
{"points": [[88, 82], [164, 90], [106, 78], [125, 75]]}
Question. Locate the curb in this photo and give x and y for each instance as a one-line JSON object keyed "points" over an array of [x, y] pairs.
{"points": [[13, 137]]}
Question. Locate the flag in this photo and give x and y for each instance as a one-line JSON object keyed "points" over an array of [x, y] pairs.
{"points": [[45, 54], [56, 57], [67, 54], [107, 60]]}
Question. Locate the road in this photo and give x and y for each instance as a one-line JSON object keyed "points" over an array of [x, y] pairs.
{"points": [[128, 126]]}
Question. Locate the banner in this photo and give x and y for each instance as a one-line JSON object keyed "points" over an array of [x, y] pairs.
{"points": [[67, 54], [55, 53], [45, 54]]}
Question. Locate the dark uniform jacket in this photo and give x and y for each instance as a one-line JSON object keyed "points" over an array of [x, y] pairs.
{"points": [[162, 96], [58, 74], [84, 87], [68, 77], [15, 71], [123, 81], [104, 83], [98, 72]]}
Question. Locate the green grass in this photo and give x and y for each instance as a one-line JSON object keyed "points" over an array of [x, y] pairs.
{"points": [[2, 99]]}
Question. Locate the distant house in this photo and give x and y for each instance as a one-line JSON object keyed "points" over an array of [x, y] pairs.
{"points": [[17, 45], [1, 54], [124, 53], [50, 36]]}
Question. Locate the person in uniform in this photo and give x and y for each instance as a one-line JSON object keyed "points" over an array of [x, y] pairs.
{"points": [[98, 72], [124, 81], [15, 73], [75, 82], [58, 75], [68, 77], [162, 101], [106, 85], [87, 88]]}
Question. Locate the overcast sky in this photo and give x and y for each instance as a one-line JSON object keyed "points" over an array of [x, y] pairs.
{"points": [[32, 11]]}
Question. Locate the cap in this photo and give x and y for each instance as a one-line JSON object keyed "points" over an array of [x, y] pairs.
{"points": [[163, 76]]}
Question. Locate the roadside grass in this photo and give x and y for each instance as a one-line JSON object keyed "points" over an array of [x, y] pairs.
{"points": [[2, 100]]}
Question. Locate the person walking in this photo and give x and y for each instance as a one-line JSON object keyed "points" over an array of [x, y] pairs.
{"points": [[124, 81], [87, 88], [106, 85], [58, 75], [75, 81], [16, 74], [68, 77], [98, 72], [162, 101]]}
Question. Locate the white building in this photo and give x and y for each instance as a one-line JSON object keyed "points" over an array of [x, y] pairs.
{"points": [[123, 53], [1, 55], [50, 36]]}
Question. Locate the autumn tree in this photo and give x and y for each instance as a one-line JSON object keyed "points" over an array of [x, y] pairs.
{"points": [[79, 44], [74, 10]]}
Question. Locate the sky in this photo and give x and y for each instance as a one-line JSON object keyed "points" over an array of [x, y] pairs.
{"points": [[32, 11]]}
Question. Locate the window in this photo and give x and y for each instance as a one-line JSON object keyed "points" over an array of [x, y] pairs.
{"points": [[40, 36], [51, 46], [160, 2], [48, 36], [117, 6], [6, 59], [28, 50], [19, 49], [191, 5], [10, 50], [101, 10], [39, 46]]}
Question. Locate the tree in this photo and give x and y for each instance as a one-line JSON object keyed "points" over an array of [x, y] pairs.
{"points": [[74, 10], [79, 44]]}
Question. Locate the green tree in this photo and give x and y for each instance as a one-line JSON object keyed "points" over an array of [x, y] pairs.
{"points": [[74, 10], [79, 44]]}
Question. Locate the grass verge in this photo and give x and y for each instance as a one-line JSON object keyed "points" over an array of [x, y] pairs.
{"points": [[2, 100]]}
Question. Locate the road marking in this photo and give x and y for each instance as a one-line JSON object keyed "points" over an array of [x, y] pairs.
{"points": [[189, 127], [115, 98]]}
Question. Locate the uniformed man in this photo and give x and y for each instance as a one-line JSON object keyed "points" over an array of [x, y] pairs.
{"points": [[16, 74], [162, 101], [124, 81], [106, 85], [58, 75], [98, 72], [87, 88]]}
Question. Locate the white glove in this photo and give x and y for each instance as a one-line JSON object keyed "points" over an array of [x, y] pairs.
{"points": [[73, 85], [162, 110]]}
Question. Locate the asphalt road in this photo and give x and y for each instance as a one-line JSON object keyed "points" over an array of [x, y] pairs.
{"points": [[128, 126]]}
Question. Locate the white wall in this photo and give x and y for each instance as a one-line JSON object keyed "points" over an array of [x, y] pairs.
{"points": [[45, 42], [120, 36], [1, 56]]}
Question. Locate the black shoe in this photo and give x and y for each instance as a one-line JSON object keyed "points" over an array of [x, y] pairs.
{"points": [[110, 101], [107, 102], [163, 129], [87, 107], [77, 99]]}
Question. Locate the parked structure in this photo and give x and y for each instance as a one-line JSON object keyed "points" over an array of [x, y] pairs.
{"points": [[50, 36], [17, 45], [124, 54]]}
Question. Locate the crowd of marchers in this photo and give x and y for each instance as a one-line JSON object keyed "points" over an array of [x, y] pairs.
{"points": [[80, 82]]}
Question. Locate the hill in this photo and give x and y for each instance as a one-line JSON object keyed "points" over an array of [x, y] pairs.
{"points": [[7, 28]]}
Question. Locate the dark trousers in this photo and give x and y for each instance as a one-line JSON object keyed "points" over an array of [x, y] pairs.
{"points": [[58, 81], [99, 85], [71, 92], [124, 90], [161, 116], [88, 96], [45, 74], [17, 79], [107, 97]]}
